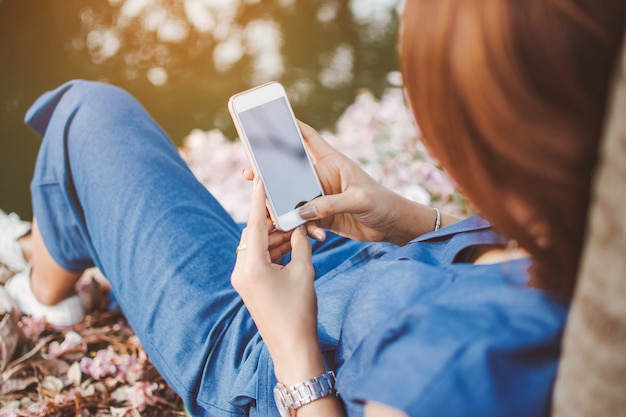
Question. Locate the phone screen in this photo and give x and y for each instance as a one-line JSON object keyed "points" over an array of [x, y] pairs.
{"points": [[275, 142]]}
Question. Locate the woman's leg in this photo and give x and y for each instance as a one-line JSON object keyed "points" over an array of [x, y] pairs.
{"points": [[110, 188], [47, 291], [26, 245], [50, 282]]}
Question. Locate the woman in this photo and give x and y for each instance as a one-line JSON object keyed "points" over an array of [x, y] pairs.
{"points": [[458, 321]]}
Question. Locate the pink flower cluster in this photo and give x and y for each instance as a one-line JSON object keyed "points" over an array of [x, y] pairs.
{"points": [[143, 394], [107, 363], [217, 162], [73, 341]]}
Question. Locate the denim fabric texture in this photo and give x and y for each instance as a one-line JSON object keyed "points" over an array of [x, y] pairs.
{"points": [[404, 326]]}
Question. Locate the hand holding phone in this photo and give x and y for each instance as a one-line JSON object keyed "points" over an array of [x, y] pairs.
{"points": [[267, 127]]}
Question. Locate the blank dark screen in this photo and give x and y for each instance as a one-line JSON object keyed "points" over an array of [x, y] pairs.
{"points": [[288, 176]]}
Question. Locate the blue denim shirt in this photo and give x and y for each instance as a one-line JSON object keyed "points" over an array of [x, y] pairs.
{"points": [[410, 328]]}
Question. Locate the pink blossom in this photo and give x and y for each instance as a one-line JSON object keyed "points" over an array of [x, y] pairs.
{"points": [[71, 343], [142, 394], [107, 363], [32, 327], [134, 341], [65, 397], [217, 162]]}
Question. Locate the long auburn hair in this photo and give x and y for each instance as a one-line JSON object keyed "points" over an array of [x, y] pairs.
{"points": [[510, 96]]}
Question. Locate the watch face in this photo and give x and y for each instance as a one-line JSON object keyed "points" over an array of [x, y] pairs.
{"points": [[280, 403]]}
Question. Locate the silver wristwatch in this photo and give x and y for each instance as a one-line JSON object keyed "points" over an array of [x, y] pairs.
{"points": [[290, 399]]}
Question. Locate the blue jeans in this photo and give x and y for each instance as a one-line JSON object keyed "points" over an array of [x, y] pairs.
{"points": [[111, 190]]}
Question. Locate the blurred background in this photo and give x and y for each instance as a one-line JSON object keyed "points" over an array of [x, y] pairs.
{"points": [[183, 59]]}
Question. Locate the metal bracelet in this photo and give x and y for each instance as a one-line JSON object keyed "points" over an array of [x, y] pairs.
{"points": [[437, 219]]}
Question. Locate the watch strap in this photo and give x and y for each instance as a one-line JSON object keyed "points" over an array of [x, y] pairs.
{"points": [[308, 391]]}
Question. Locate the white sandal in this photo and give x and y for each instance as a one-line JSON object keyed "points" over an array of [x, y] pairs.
{"points": [[66, 313]]}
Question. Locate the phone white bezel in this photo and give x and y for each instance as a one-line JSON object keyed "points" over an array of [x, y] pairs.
{"points": [[247, 100]]}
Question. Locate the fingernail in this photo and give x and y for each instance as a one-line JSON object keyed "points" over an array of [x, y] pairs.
{"points": [[307, 212], [319, 235], [302, 229]]}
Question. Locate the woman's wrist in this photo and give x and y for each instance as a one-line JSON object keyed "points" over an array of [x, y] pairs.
{"points": [[294, 366], [414, 219]]}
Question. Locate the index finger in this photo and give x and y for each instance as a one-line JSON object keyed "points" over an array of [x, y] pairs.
{"points": [[314, 141]]}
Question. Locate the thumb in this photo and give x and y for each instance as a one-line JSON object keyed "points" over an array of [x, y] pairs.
{"points": [[326, 206]]}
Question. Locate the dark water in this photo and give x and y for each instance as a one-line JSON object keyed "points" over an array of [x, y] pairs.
{"points": [[183, 59]]}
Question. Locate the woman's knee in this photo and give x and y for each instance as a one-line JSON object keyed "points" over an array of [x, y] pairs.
{"points": [[76, 102], [97, 94]]}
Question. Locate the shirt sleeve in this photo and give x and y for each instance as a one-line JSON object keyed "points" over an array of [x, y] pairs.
{"points": [[447, 361]]}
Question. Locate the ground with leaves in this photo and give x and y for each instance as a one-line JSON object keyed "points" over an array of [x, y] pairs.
{"points": [[96, 368]]}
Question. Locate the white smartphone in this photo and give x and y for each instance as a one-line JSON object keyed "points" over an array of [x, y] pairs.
{"points": [[275, 148]]}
